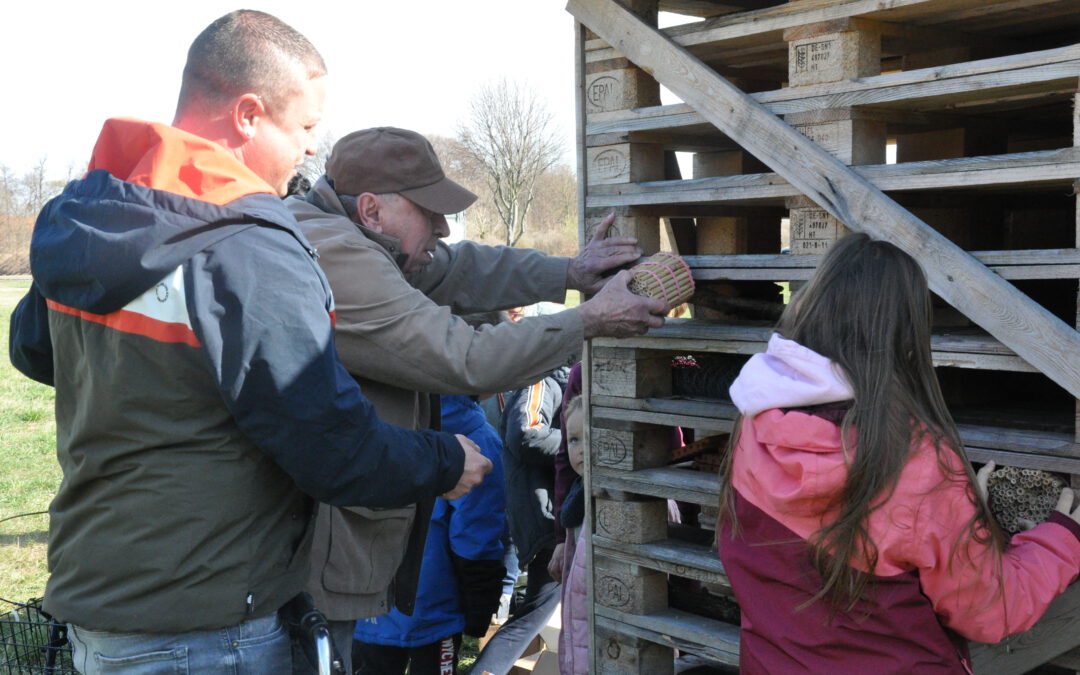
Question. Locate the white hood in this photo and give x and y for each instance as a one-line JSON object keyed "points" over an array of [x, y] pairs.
{"points": [[787, 375]]}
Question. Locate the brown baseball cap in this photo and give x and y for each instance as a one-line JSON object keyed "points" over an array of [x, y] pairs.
{"points": [[387, 159]]}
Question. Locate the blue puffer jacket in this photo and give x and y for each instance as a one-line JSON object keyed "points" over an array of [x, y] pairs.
{"points": [[463, 555]]}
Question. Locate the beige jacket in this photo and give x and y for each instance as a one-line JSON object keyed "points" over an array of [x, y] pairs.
{"points": [[398, 337]]}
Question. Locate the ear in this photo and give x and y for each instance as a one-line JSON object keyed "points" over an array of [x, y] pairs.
{"points": [[369, 210], [248, 112]]}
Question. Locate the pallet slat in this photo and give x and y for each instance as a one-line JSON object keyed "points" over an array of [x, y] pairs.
{"points": [[695, 634], [1048, 167], [1052, 71]]}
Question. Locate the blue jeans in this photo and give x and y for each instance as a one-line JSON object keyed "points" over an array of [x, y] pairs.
{"points": [[255, 647]]}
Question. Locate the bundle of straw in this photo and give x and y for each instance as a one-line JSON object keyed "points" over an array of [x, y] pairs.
{"points": [[664, 276]]}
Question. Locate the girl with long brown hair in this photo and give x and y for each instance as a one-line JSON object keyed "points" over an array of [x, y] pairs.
{"points": [[852, 527]]}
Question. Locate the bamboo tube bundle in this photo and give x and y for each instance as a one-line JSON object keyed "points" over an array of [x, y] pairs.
{"points": [[664, 276], [1022, 494]]}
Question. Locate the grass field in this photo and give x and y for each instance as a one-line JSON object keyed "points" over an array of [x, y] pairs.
{"points": [[29, 474]]}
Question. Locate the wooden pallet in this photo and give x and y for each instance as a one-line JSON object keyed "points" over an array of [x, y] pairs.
{"points": [[788, 109]]}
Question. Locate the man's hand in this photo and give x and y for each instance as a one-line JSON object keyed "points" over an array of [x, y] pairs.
{"points": [[476, 467], [586, 271], [616, 312]]}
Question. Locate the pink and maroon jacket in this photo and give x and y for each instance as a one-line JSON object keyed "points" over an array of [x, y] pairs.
{"points": [[934, 587]]}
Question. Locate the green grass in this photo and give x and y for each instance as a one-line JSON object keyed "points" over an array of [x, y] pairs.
{"points": [[29, 473]]}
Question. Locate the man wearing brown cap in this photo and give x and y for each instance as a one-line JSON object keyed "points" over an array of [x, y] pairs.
{"points": [[376, 218]]}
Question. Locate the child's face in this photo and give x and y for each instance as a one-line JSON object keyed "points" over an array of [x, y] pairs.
{"points": [[575, 443]]}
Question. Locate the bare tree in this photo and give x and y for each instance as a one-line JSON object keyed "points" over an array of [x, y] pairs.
{"points": [[509, 134], [21, 198]]}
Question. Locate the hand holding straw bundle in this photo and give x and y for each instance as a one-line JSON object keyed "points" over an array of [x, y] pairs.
{"points": [[664, 276]]}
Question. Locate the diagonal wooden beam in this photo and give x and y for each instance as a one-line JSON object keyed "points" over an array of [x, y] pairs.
{"points": [[1056, 632], [1023, 325]]}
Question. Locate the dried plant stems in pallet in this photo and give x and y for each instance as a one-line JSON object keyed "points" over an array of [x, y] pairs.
{"points": [[1022, 494], [664, 276]]}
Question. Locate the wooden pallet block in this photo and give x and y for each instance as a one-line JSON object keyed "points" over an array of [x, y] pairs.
{"points": [[627, 445], [634, 520], [630, 373], [622, 654], [631, 589]]}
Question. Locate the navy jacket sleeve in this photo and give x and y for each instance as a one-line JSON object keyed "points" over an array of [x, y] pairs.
{"points": [[29, 343], [266, 330]]}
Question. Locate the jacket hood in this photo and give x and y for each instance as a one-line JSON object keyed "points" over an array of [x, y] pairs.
{"points": [[154, 197], [787, 375], [796, 461], [793, 462], [461, 413]]}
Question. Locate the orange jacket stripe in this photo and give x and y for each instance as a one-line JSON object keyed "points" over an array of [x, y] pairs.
{"points": [[532, 409], [131, 322]]}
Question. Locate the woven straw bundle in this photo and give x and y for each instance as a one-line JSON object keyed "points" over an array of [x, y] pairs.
{"points": [[664, 276], [1022, 494]]}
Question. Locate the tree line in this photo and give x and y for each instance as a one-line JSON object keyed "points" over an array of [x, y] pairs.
{"points": [[506, 151]]}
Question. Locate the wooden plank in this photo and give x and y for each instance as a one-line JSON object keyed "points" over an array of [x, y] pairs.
{"points": [[1057, 632], [681, 558], [996, 260], [1047, 71], [1023, 460], [761, 26], [1016, 440], [1031, 331], [1031, 169], [673, 482], [1070, 660], [961, 349], [695, 634], [717, 414]]}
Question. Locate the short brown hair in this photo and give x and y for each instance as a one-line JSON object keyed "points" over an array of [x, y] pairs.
{"points": [[247, 51]]}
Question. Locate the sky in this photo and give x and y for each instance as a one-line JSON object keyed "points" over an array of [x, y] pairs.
{"points": [[68, 66]]}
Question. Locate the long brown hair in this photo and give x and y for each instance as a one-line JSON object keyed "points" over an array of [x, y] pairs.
{"points": [[868, 309]]}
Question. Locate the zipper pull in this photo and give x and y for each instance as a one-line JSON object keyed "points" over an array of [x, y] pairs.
{"points": [[249, 602]]}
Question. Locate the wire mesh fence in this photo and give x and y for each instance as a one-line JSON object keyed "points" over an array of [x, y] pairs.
{"points": [[31, 641]]}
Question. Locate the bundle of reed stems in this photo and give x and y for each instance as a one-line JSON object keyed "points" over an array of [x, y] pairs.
{"points": [[664, 276]]}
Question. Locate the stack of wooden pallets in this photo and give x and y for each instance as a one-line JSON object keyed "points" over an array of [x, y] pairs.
{"points": [[948, 127]]}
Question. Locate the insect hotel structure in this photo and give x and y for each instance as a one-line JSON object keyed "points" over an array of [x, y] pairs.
{"points": [[948, 127]]}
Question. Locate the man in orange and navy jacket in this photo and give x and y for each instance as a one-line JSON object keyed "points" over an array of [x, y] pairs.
{"points": [[200, 405]]}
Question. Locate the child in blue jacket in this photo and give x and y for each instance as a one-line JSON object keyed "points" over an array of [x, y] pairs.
{"points": [[462, 571]]}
